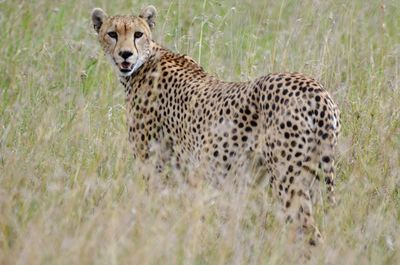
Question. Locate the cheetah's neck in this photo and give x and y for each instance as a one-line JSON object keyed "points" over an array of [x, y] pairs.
{"points": [[160, 55]]}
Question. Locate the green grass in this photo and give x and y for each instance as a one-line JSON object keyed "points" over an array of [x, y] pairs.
{"points": [[69, 191]]}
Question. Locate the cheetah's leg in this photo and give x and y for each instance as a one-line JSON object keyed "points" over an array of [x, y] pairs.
{"points": [[293, 192]]}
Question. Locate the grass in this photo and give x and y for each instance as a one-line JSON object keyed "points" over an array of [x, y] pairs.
{"points": [[69, 191]]}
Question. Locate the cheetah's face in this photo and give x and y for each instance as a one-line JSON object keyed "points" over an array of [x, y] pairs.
{"points": [[125, 39]]}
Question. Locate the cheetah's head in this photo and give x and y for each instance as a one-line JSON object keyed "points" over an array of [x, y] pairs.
{"points": [[126, 40]]}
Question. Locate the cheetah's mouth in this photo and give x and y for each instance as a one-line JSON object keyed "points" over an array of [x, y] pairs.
{"points": [[125, 67]]}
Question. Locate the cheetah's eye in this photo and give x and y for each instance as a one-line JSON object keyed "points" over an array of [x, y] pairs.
{"points": [[138, 34], [113, 34]]}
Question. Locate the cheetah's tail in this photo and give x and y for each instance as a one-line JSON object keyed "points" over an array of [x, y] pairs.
{"points": [[326, 152]]}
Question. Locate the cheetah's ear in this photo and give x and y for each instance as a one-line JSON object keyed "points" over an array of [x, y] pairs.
{"points": [[98, 17], [149, 14]]}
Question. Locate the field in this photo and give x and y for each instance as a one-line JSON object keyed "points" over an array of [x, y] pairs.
{"points": [[69, 191]]}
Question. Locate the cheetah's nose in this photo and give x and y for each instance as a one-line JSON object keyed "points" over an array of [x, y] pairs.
{"points": [[125, 54]]}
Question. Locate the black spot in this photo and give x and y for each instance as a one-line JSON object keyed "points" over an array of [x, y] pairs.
{"points": [[326, 159], [215, 153], [329, 181], [287, 135]]}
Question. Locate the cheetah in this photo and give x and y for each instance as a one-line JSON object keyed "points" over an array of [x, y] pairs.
{"points": [[287, 121]]}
